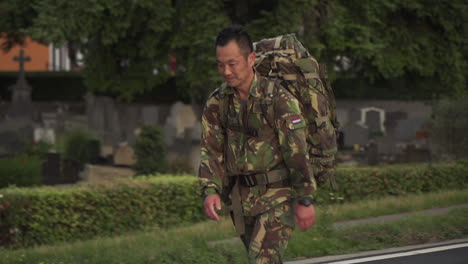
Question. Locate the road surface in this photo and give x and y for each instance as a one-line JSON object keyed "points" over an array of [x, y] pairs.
{"points": [[450, 252]]}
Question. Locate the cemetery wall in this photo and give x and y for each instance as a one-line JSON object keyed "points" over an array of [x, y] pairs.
{"points": [[392, 125]]}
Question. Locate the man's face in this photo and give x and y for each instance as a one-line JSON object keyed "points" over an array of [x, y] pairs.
{"points": [[234, 66]]}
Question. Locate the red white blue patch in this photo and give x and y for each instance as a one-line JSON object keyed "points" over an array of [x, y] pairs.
{"points": [[296, 121]]}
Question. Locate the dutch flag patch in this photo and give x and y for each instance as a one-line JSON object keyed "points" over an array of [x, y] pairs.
{"points": [[296, 121]]}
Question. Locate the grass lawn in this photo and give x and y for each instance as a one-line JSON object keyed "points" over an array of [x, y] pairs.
{"points": [[189, 244]]}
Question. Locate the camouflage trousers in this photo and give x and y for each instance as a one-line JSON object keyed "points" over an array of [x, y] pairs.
{"points": [[267, 235]]}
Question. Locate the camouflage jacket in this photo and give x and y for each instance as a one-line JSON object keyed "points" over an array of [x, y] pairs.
{"points": [[226, 153]]}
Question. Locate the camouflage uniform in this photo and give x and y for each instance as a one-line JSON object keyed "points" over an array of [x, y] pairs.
{"points": [[230, 151]]}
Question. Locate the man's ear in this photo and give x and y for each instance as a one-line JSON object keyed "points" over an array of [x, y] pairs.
{"points": [[251, 59]]}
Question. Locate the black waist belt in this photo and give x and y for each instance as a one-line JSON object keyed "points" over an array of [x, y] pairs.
{"points": [[266, 178]]}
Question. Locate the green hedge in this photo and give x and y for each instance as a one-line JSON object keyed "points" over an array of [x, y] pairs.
{"points": [[34, 216], [357, 183], [150, 151], [82, 146], [22, 170]]}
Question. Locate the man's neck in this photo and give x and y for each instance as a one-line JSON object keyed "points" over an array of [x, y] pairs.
{"points": [[244, 90]]}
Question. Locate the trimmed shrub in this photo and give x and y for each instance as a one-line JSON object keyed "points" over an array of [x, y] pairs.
{"points": [[82, 146], [22, 170], [47, 215], [150, 151], [180, 166], [34, 216], [356, 183], [38, 149]]}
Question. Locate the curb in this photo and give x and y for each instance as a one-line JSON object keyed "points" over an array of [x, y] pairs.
{"points": [[396, 217]]}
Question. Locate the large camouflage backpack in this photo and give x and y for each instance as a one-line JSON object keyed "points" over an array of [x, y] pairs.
{"points": [[285, 58]]}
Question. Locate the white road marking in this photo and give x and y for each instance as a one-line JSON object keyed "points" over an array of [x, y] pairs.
{"points": [[403, 254]]}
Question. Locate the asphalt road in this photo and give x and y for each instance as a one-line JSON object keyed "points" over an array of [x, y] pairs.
{"points": [[452, 254], [448, 252]]}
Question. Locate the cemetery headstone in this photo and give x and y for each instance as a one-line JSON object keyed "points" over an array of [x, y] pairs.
{"points": [[103, 117], [406, 129], [16, 128], [373, 122], [107, 151], [150, 115], [21, 104], [372, 153], [130, 119], [51, 169], [181, 117], [355, 134], [70, 171], [124, 155], [44, 134]]}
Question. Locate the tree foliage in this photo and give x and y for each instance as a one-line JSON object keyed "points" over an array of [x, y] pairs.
{"points": [[127, 44], [197, 24], [398, 38], [15, 18]]}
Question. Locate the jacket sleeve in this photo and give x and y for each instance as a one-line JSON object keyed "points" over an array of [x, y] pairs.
{"points": [[291, 127], [211, 171], [321, 139]]}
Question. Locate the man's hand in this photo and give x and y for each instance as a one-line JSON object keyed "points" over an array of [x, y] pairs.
{"points": [[304, 216], [210, 202]]}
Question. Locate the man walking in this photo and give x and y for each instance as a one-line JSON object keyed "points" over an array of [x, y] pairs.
{"points": [[257, 166]]}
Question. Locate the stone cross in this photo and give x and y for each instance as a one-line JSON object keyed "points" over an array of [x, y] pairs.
{"points": [[21, 104], [22, 59]]}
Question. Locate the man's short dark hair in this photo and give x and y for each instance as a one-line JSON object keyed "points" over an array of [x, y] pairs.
{"points": [[239, 35]]}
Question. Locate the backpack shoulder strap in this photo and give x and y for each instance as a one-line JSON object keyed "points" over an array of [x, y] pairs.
{"points": [[268, 107], [223, 105]]}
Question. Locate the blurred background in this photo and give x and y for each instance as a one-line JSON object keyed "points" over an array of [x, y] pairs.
{"points": [[95, 92], [81, 79]]}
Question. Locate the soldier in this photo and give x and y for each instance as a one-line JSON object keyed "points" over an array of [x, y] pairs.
{"points": [[260, 168]]}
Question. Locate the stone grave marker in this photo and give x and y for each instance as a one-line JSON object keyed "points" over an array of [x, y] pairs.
{"points": [[181, 117], [342, 116], [150, 115], [355, 134], [51, 172], [124, 155], [49, 119], [21, 103], [407, 128], [103, 117], [129, 121], [70, 171], [44, 134], [374, 123], [16, 125]]}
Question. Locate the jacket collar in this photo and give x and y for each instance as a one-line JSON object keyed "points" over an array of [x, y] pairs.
{"points": [[255, 88]]}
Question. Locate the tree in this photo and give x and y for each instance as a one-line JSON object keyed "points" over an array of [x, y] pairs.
{"points": [[15, 17], [124, 42], [419, 45], [196, 25], [391, 39], [127, 44]]}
